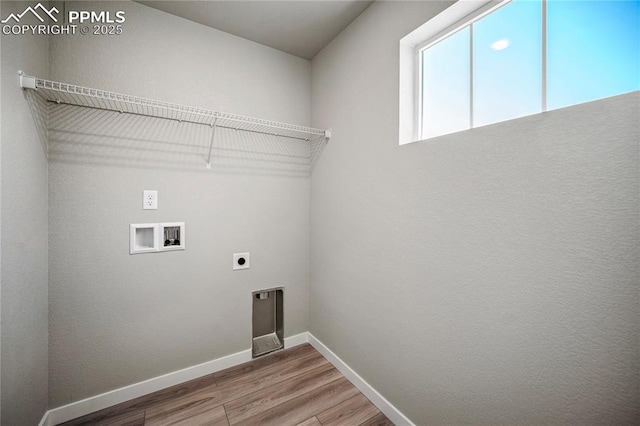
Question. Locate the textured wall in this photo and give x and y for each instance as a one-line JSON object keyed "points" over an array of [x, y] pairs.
{"points": [[485, 277], [115, 318], [23, 288]]}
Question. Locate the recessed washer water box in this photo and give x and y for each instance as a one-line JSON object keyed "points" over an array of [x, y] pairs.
{"points": [[267, 321], [172, 236], [156, 237]]}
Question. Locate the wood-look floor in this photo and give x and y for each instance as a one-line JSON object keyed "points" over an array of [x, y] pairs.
{"points": [[297, 386]]}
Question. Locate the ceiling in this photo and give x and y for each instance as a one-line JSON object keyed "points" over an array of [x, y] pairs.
{"points": [[302, 28]]}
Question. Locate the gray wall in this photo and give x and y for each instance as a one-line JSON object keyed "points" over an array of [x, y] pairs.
{"points": [[115, 318], [23, 287], [488, 276], [485, 277]]}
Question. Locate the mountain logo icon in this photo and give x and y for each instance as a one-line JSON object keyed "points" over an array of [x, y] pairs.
{"points": [[33, 10]]}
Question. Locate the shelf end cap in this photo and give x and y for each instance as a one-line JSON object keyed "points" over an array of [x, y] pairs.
{"points": [[27, 81]]}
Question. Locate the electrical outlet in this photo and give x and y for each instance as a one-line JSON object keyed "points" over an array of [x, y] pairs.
{"points": [[150, 200], [241, 261]]}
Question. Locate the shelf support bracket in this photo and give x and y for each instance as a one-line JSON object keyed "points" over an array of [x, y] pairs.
{"points": [[26, 81], [213, 136]]}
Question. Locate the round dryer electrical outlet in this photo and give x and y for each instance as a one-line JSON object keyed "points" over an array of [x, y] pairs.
{"points": [[241, 261]]}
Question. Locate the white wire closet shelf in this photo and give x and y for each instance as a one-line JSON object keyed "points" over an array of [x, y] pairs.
{"points": [[70, 94]]}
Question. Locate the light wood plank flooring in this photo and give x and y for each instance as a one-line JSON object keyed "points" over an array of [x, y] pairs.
{"points": [[297, 387]]}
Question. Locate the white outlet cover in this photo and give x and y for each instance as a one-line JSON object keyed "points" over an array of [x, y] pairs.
{"points": [[150, 200], [241, 261]]}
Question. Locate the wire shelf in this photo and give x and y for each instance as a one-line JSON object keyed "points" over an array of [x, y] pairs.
{"points": [[70, 94]]}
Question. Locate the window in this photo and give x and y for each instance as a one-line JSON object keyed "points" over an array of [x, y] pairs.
{"points": [[507, 58], [593, 50], [446, 85], [514, 58]]}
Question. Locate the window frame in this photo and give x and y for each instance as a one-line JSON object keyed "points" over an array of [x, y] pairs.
{"points": [[477, 14], [451, 19], [455, 15]]}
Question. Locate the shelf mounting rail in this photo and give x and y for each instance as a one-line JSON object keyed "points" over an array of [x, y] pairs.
{"points": [[70, 94]]}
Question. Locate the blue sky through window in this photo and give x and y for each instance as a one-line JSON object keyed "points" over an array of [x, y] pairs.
{"points": [[507, 59], [446, 85], [593, 52]]}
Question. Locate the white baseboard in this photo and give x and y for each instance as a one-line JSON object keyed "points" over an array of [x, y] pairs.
{"points": [[86, 406], [298, 339], [374, 396], [45, 420], [99, 402]]}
